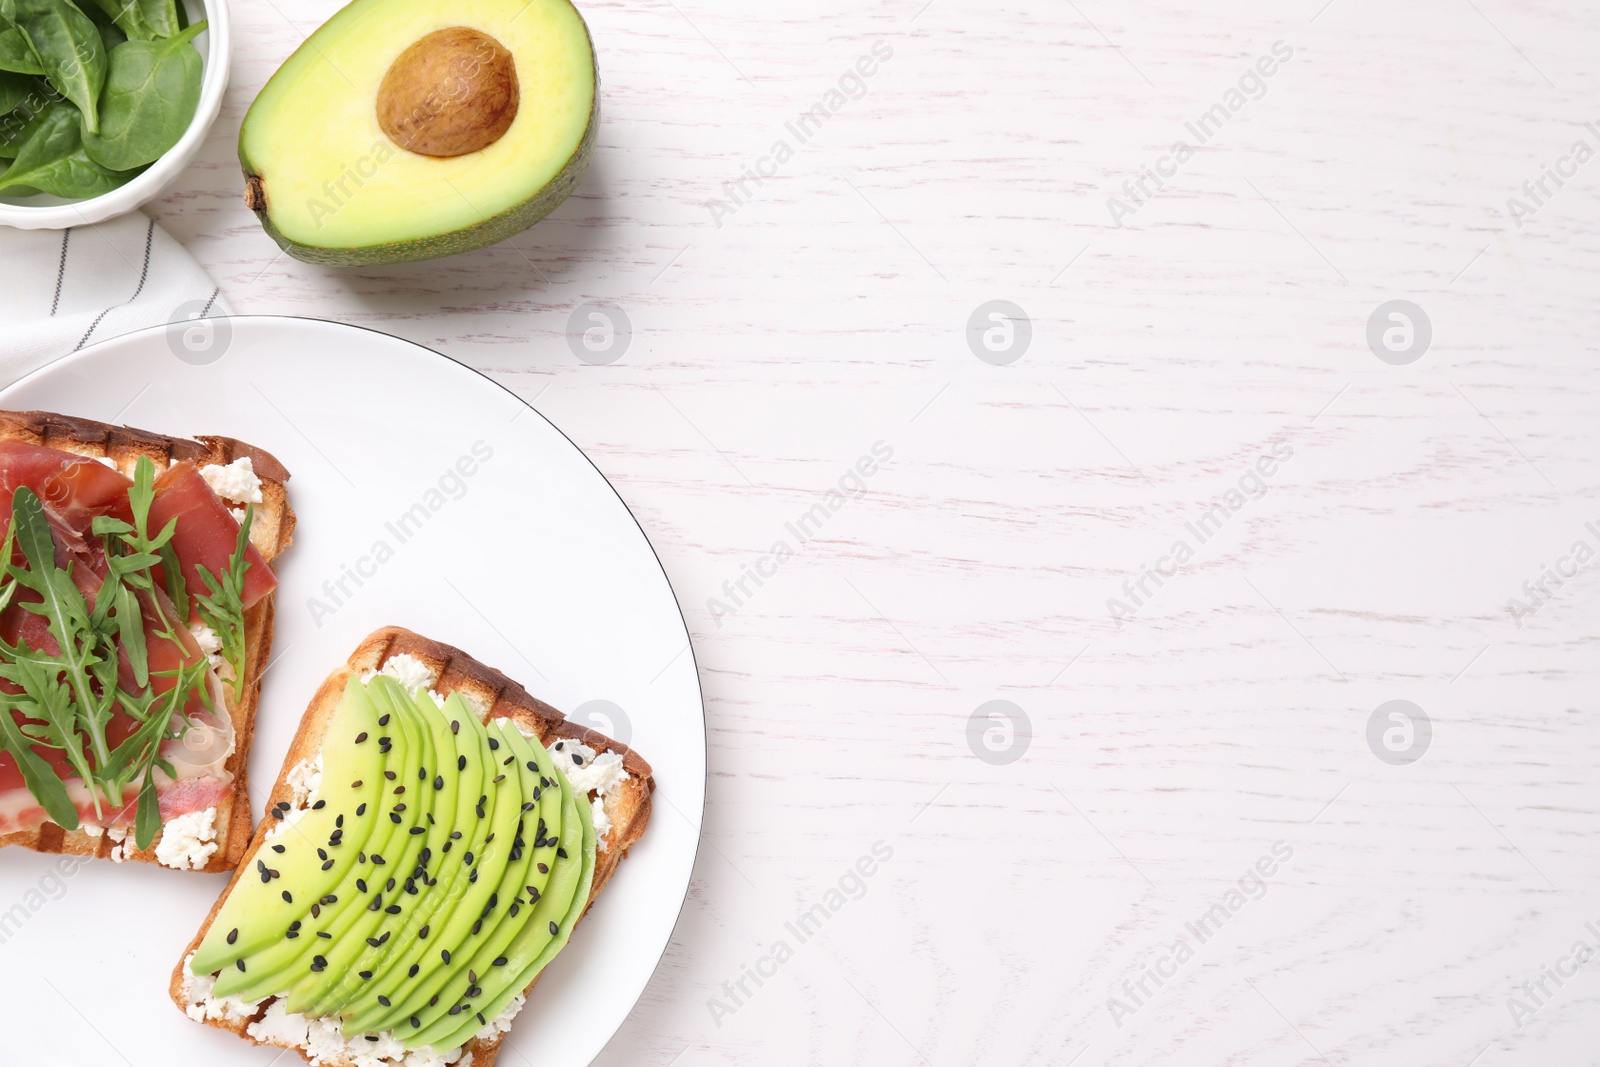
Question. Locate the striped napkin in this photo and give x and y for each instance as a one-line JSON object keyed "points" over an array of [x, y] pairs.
{"points": [[63, 289]]}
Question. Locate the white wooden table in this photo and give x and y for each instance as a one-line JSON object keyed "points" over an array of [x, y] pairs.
{"points": [[779, 337]]}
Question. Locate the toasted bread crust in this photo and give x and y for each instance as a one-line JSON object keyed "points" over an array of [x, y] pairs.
{"points": [[271, 533], [493, 696]]}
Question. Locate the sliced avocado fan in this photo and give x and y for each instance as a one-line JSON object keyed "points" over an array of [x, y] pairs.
{"points": [[442, 864]]}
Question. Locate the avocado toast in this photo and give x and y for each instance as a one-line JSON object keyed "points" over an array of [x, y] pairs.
{"points": [[433, 838], [76, 483]]}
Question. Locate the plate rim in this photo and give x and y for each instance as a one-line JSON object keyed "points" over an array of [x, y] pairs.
{"points": [[699, 836]]}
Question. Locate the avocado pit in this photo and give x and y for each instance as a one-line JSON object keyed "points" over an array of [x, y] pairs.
{"points": [[450, 93]]}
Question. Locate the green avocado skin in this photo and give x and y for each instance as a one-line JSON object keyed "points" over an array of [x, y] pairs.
{"points": [[490, 231]]}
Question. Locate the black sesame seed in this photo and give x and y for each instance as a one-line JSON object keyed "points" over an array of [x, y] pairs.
{"points": [[553, 928], [493, 744], [389, 885], [433, 1000], [499, 961], [322, 853], [325, 935], [422, 774], [419, 829], [328, 866], [356, 784], [393, 909], [561, 852], [438, 782], [508, 761], [278, 849], [366, 976], [455, 726], [543, 868], [276, 814], [477, 926], [475, 991], [455, 1010], [422, 934], [390, 775], [455, 835], [461, 763], [399, 789], [577, 759], [515, 907], [384, 720], [533, 895], [415, 1021], [482, 1020], [239, 964], [295, 925], [329, 899], [499, 778], [414, 969], [287, 898], [361, 884], [362, 736], [316, 911], [532, 766], [319, 805], [361, 810], [473, 877], [385, 1002], [292, 934], [379, 860], [444, 954], [233, 935]]}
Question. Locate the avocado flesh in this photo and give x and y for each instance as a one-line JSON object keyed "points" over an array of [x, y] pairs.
{"points": [[480, 907], [402, 988], [256, 909], [334, 189], [534, 946], [409, 799], [277, 969], [475, 969], [459, 795]]}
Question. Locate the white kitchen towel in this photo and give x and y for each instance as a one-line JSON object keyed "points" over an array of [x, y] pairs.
{"points": [[63, 289]]}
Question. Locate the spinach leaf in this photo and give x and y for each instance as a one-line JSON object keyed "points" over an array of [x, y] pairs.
{"points": [[129, 18], [68, 46], [150, 97], [14, 89], [16, 54], [14, 125], [161, 16], [51, 158]]}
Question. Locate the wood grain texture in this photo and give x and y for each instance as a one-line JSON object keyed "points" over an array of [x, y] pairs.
{"points": [[828, 313]]}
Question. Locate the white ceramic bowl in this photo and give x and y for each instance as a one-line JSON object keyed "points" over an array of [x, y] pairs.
{"points": [[45, 212]]}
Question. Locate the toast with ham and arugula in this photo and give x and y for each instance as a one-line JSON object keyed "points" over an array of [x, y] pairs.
{"points": [[433, 838], [136, 603]]}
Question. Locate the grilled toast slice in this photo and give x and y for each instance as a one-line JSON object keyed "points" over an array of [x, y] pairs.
{"points": [[271, 532], [492, 695]]}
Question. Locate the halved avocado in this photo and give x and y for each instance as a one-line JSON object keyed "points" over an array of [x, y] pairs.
{"points": [[404, 130]]}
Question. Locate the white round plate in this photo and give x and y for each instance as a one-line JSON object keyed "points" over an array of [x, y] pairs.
{"points": [[531, 564]]}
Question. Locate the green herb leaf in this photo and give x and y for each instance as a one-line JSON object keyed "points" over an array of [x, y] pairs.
{"points": [[147, 820], [222, 608], [69, 48], [150, 97], [161, 16], [37, 774]]}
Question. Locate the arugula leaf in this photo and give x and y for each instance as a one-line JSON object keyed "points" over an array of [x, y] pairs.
{"points": [[40, 778], [222, 608], [147, 820]]}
